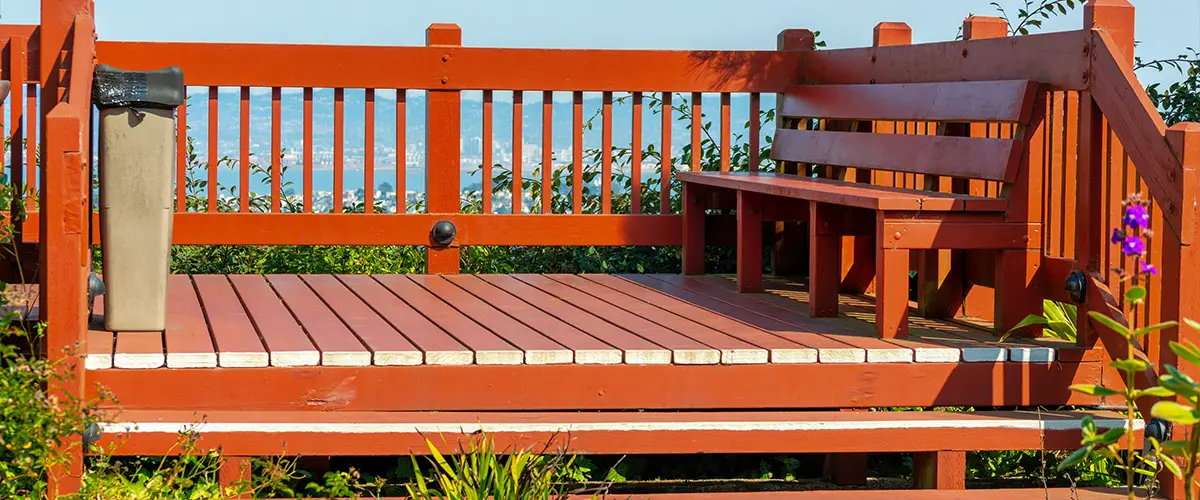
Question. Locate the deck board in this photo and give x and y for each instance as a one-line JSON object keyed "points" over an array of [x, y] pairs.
{"points": [[357, 320], [489, 348], [538, 349], [586, 349], [338, 346], [439, 347], [190, 344], [387, 345], [684, 350], [635, 350], [285, 340], [818, 334], [234, 336], [733, 350], [775, 346], [100, 342]]}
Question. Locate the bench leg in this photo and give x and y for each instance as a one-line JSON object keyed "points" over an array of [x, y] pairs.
{"points": [[891, 292], [693, 229], [824, 263], [234, 475], [846, 469], [749, 242], [1017, 291], [941, 470]]}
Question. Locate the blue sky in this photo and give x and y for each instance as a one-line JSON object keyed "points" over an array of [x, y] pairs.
{"points": [[1164, 27]]}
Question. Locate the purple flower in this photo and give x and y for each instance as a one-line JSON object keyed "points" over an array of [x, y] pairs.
{"points": [[1133, 245], [1148, 268], [1137, 217], [1117, 236]]}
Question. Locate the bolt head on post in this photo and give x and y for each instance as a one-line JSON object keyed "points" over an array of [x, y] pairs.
{"points": [[443, 233]]}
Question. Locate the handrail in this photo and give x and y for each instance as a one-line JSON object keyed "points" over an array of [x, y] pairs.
{"points": [[1140, 128]]}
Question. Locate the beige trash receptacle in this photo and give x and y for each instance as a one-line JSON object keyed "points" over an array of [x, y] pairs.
{"points": [[137, 166]]}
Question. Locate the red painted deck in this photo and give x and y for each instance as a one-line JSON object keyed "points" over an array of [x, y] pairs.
{"points": [[247, 321]]}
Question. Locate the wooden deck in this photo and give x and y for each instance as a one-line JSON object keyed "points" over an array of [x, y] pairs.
{"points": [[248, 321]]}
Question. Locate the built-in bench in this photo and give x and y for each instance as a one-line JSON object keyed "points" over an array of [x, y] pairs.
{"points": [[848, 142]]}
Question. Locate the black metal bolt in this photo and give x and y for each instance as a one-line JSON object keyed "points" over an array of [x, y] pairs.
{"points": [[1077, 287], [443, 233]]}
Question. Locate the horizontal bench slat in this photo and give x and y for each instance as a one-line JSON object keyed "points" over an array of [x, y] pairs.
{"points": [[399, 433], [988, 101], [963, 157], [843, 193]]}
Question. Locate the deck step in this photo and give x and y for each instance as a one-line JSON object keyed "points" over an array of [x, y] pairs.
{"points": [[859, 494], [244, 433]]}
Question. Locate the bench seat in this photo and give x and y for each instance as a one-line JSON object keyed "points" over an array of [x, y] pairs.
{"points": [[865, 196], [933, 167]]}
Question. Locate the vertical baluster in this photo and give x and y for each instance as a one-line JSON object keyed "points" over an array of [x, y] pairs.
{"points": [[369, 152], [401, 151], [19, 59], [213, 139], [547, 151], [308, 150], [31, 145], [635, 160], [755, 109], [577, 154], [339, 136], [1069, 193], [518, 140], [697, 127], [606, 156], [181, 158], [244, 157], [667, 163], [726, 132], [276, 148], [487, 152]]}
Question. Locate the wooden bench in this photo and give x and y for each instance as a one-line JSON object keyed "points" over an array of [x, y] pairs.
{"points": [[848, 140]]}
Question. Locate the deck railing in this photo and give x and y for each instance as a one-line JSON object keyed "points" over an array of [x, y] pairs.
{"points": [[1099, 140]]}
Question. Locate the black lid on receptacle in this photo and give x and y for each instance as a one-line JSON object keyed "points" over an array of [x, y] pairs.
{"points": [[115, 88]]}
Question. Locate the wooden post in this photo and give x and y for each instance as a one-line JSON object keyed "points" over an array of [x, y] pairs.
{"points": [[1117, 18], [442, 133], [978, 292], [789, 252], [1181, 268], [694, 204], [235, 470], [942, 470], [1018, 279], [749, 242], [64, 228]]}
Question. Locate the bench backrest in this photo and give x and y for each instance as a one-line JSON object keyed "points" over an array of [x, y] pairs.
{"points": [[994, 159]]}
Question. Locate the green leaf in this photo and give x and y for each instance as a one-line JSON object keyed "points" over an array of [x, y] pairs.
{"points": [[1135, 294], [1032, 319], [1110, 323], [1129, 365], [1075, 457], [1188, 352], [1192, 324], [1175, 448], [1109, 437], [1180, 385], [1153, 328], [1175, 413], [1170, 465], [1094, 390], [1161, 392]]}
